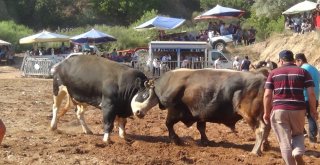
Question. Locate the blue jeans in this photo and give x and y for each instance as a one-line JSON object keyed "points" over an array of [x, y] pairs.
{"points": [[313, 128]]}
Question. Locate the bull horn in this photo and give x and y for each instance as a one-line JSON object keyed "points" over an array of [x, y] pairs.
{"points": [[146, 83]]}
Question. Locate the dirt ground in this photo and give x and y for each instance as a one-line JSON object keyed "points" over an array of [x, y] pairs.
{"points": [[25, 108]]}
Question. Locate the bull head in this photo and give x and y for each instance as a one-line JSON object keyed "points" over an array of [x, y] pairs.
{"points": [[144, 100]]}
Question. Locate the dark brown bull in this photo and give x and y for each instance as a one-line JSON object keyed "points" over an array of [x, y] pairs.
{"points": [[207, 95]]}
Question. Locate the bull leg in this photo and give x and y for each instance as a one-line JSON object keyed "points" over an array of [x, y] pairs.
{"points": [[201, 126], [65, 108], [172, 134], [266, 145], [108, 119], [57, 100], [80, 115], [122, 124], [262, 133]]}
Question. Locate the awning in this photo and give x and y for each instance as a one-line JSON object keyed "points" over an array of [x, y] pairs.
{"points": [[220, 12], [44, 36], [161, 23], [93, 35], [301, 7], [4, 43]]}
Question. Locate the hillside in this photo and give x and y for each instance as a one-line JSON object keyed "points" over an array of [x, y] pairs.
{"points": [[308, 43]]}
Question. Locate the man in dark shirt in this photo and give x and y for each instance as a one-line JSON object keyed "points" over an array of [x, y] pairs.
{"points": [[284, 101], [245, 64]]}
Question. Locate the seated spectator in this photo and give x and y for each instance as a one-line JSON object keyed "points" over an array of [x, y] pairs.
{"points": [[297, 24], [114, 54], [223, 29], [245, 36], [11, 57], [251, 35], [156, 67], [200, 35], [289, 24], [237, 36], [305, 26], [86, 47], [210, 26]]}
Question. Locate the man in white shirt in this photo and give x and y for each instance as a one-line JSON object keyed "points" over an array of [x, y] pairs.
{"points": [[236, 63]]}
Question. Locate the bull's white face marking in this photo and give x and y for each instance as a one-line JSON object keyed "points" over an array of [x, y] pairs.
{"points": [[143, 101]]}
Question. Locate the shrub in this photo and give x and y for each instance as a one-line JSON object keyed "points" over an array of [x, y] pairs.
{"points": [[12, 32]]}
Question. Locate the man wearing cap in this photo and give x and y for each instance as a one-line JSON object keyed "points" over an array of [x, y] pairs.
{"points": [[284, 106], [302, 62]]}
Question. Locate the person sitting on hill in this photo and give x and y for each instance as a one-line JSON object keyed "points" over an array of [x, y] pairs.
{"points": [[86, 47], [223, 29], [305, 26], [237, 36]]}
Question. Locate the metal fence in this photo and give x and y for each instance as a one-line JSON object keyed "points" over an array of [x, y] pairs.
{"points": [[170, 65], [39, 65]]}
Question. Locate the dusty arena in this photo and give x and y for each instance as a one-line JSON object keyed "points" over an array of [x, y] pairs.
{"points": [[25, 106]]}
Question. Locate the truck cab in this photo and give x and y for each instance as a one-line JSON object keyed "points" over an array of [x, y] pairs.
{"points": [[226, 62]]}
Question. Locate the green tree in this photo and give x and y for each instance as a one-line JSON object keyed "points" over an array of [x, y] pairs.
{"points": [[122, 12], [272, 8], [239, 4]]}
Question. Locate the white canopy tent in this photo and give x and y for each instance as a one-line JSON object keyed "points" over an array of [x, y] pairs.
{"points": [[162, 23], [4, 43], [44, 36], [301, 7], [220, 12]]}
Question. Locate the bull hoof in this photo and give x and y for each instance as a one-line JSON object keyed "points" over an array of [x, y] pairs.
{"points": [[257, 153], [109, 142], [53, 128], [177, 141], [265, 146], [128, 140], [204, 143], [88, 132]]}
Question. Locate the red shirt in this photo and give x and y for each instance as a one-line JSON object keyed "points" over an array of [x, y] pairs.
{"points": [[287, 83]]}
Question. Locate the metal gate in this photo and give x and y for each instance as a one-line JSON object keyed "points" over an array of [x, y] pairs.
{"points": [[38, 65]]}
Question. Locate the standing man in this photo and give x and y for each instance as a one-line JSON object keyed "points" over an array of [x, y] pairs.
{"points": [[284, 101], [302, 62], [245, 64], [236, 63]]}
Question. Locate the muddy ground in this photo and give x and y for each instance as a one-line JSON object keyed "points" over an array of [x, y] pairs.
{"points": [[25, 108]]}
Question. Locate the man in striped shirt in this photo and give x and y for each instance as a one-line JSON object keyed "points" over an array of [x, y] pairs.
{"points": [[284, 106]]}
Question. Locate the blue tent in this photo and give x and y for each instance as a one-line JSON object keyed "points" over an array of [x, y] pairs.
{"points": [[93, 35], [220, 12], [161, 23]]}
